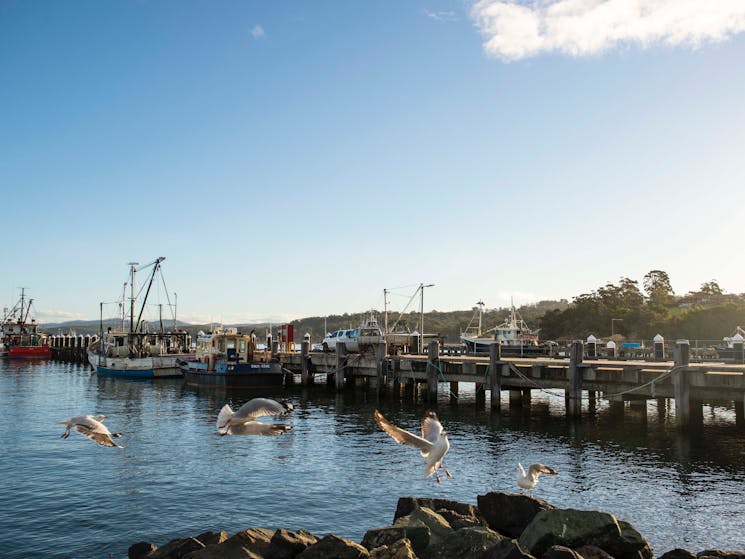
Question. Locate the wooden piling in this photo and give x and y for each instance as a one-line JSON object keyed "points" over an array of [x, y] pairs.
{"points": [[381, 351], [573, 393], [305, 379], [433, 352], [454, 392], [681, 386], [495, 376], [341, 361]]}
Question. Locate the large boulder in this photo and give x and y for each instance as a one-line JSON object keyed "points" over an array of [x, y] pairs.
{"points": [[510, 513], [439, 529], [560, 552], [417, 536], [141, 550], [225, 550], [721, 554], [630, 544], [509, 549], [336, 547], [176, 549], [466, 543], [677, 553], [569, 528], [212, 538], [400, 549], [407, 505], [255, 540], [286, 544]]}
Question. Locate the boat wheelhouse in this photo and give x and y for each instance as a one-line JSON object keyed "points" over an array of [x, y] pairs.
{"points": [[20, 337], [514, 336]]}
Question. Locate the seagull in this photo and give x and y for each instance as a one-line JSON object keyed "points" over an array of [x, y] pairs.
{"points": [[91, 426], [529, 480], [433, 443], [243, 421]]}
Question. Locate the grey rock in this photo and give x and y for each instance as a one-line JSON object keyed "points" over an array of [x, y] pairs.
{"points": [[336, 547], [287, 544], [678, 553], [439, 529], [510, 513], [592, 552], [407, 505], [630, 544], [508, 549], [466, 543], [560, 552], [569, 528], [141, 550], [400, 549], [721, 554], [458, 521], [417, 536]]}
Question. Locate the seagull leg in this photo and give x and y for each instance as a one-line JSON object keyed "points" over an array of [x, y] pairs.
{"points": [[437, 476], [65, 434]]}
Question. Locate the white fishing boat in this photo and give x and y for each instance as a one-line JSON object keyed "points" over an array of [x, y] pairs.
{"points": [[513, 335], [141, 350]]}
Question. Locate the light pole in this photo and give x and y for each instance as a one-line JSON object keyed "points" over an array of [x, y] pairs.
{"points": [[612, 323], [421, 315]]}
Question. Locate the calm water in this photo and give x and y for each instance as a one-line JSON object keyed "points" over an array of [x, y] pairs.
{"points": [[335, 471]]}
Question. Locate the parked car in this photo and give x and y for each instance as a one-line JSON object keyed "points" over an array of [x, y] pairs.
{"points": [[348, 337]]}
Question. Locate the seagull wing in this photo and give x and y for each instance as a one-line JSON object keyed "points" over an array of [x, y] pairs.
{"points": [[402, 436], [431, 427], [258, 428], [258, 407], [95, 431], [536, 469]]}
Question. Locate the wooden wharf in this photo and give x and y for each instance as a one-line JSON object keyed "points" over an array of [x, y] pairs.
{"points": [[618, 381], [71, 348]]}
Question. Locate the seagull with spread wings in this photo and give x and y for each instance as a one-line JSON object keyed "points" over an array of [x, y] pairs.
{"points": [[244, 420], [433, 444], [530, 479], [90, 426]]}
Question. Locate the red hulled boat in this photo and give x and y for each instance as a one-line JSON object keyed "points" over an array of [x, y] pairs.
{"points": [[21, 338]]}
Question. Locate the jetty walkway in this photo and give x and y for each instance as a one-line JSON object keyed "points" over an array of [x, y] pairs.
{"points": [[618, 381]]}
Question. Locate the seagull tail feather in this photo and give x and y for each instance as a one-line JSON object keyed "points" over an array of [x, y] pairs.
{"points": [[223, 419]]}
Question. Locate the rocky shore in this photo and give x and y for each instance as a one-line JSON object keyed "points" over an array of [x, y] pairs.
{"points": [[501, 526]]}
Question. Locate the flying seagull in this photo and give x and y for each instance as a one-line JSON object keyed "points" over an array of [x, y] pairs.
{"points": [[243, 421], [433, 443], [91, 426], [529, 480]]}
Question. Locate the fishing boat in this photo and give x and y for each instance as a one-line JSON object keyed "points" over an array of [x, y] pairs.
{"points": [[229, 358], [141, 350], [514, 336], [20, 338]]}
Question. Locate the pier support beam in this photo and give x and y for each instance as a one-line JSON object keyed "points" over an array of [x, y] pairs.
{"points": [[433, 353], [516, 398], [454, 392], [381, 350], [341, 362], [306, 377], [681, 387], [480, 394], [573, 394], [495, 376], [740, 412]]}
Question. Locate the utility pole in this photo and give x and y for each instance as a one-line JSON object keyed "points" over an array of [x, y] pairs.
{"points": [[421, 315]]}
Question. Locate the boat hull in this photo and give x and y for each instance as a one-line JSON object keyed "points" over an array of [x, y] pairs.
{"points": [[252, 374], [29, 352], [481, 346], [163, 366]]}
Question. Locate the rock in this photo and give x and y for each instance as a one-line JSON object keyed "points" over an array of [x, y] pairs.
{"points": [[225, 550], [140, 550], [407, 505], [677, 553], [466, 543], [560, 552], [255, 540], [286, 544], [417, 536], [629, 545], [721, 554], [509, 513], [400, 549], [176, 549], [212, 538], [439, 529], [336, 547], [592, 552], [508, 549], [569, 528], [458, 521]]}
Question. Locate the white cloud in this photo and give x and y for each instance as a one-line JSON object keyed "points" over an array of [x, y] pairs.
{"points": [[519, 29], [441, 15], [257, 32], [50, 315]]}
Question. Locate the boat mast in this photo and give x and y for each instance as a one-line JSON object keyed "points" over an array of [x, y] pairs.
{"points": [[132, 271], [385, 311], [175, 307], [23, 293], [480, 304]]}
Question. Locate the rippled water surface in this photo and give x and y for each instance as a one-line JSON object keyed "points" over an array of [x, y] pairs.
{"points": [[335, 471]]}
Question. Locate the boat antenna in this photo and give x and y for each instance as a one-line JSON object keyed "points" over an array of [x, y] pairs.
{"points": [[132, 270], [385, 310], [480, 304]]}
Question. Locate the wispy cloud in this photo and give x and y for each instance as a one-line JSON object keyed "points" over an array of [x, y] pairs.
{"points": [[257, 32], [50, 315], [519, 29], [441, 15]]}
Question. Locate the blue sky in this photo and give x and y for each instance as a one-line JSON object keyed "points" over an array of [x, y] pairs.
{"points": [[296, 158]]}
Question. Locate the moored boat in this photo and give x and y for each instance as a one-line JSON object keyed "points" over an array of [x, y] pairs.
{"points": [[228, 358], [21, 338], [513, 335], [138, 352]]}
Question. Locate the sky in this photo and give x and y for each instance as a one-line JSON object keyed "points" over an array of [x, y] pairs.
{"points": [[297, 158]]}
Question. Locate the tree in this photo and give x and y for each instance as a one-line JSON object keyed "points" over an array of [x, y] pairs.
{"points": [[657, 286], [711, 288]]}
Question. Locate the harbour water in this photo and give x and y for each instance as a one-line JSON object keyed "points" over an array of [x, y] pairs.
{"points": [[335, 472]]}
